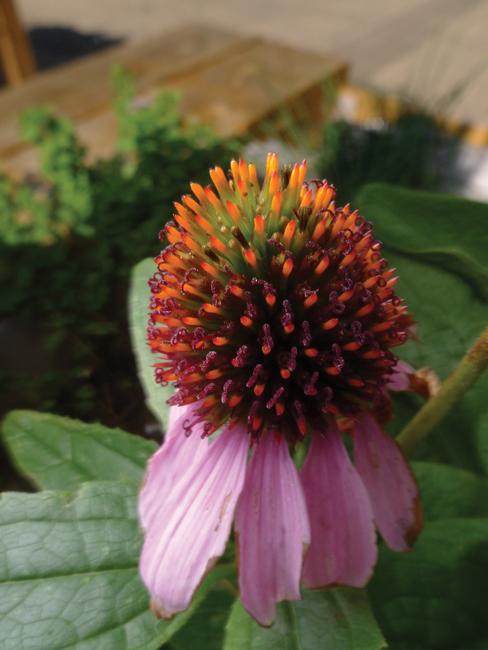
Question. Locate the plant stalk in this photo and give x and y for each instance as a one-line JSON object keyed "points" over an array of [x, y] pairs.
{"points": [[470, 368]]}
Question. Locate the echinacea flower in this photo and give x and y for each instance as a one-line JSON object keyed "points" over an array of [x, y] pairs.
{"points": [[274, 315]]}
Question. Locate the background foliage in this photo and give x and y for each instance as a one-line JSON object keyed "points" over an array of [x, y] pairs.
{"points": [[68, 240]]}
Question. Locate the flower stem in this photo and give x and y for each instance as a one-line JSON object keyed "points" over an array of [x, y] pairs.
{"points": [[470, 368]]}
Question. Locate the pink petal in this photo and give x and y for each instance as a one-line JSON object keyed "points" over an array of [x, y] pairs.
{"points": [[400, 378], [177, 415], [343, 548], [190, 528], [273, 530], [390, 484], [173, 459]]}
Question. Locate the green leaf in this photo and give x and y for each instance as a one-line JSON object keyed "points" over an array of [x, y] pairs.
{"points": [[446, 231], [61, 453], [334, 618], [434, 598], [139, 296], [448, 492], [206, 631], [69, 577], [437, 244]]}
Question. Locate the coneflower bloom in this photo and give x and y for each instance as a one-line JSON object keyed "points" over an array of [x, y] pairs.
{"points": [[274, 314]]}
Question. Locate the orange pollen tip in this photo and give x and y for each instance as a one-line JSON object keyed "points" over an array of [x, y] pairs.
{"points": [[214, 201], [219, 245], [270, 299], [250, 257], [319, 230], [302, 425], [289, 232], [243, 171], [234, 400], [246, 321], [211, 309], [190, 242], [276, 203], [274, 183], [311, 353], [381, 327], [213, 374], [310, 300], [210, 401], [348, 259], [354, 345], [322, 265], [198, 191], [203, 223], [191, 378], [287, 267], [364, 311], [285, 373], [256, 422], [236, 290], [370, 282], [347, 295], [330, 324], [332, 370], [259, 389], [210, 269], [372, 354], [259, 225], [182, 221], [219, 180], [253, 175], [234, 211], [279, 408], [289, 328], [220, 340], [191, 320], [265, 349]]}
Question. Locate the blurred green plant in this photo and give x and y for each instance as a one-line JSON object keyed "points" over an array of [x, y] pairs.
{"points": [[402, 152], [68, 239]]}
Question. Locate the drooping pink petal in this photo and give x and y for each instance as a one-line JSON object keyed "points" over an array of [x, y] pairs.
{"points": [[273, 530], [400, 378], [343, 547], [190, 528], [390, 484], [171, 461]]}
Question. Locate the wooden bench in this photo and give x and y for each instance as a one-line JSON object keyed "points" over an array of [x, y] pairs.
{"points": [[232, 83]]}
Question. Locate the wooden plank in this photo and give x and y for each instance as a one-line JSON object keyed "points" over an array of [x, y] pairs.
{"points": [[81, 89], [233, 91], [16, 56], [234, 95]]}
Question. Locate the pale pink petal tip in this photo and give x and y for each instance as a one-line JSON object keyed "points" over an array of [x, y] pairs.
{"points": [[390, 484], [273, 530], [343, 549], [400, 378], [190, 526]]}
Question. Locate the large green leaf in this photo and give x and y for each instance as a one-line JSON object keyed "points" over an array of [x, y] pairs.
{"points": [[437, 244], [450, 492], [434, 598], [68, 573], [334, 618], [139, 296], [439, 229], [206, 630], [61, 453]]}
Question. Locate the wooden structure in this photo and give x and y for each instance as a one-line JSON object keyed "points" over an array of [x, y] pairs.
{"points": [[16, 58], [232, 83]]}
